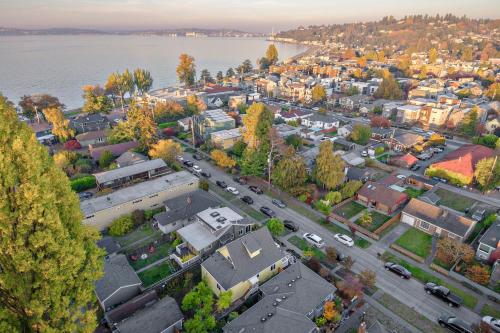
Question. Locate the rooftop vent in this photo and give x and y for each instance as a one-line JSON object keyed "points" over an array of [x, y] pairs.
{"points": [[293, 280], [218, 227], [275, 304], [278, 300], [298, 277], [269, 314], [283, 297], [214, 214], [108, 198], [221, 219], [289, 284], [263, 319]]}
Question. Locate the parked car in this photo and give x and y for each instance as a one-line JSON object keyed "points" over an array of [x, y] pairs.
{"points": [[267, 211], [479, 214], [279, 203], [401, 177], [240, 180], [188, 163], [290, 225], [454, 324], [197, 157], [364, 153], [85, 195], [444, 293], [493, 323], [398, 269], [255, 189], [180, 158], [314, 240], [205, 174], [220, 183], [232, 190], [415, 167], [246, 199], [344, 239], [196, 168]]}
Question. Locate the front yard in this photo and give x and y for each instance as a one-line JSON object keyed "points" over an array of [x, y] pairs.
{"points": [[453, 200], [303, 245], [156, 273], [378, 219], [416, 241], [349, 209]]}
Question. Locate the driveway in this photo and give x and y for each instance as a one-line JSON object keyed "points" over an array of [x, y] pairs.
{"points": [[409, 292]]}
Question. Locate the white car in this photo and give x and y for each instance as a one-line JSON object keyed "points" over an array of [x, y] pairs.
{"points": [[401, 176], [180, 158], [232, 190], [344, 239], [196, 168], [493, 323], [314, 240]]}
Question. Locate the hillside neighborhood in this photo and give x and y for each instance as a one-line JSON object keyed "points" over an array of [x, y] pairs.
{"points": [[350, 189]]}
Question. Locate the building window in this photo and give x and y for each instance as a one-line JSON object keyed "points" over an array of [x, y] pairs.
{"points": [[424, 225], [136, 201], [248, 228], [89, 217], [218, 286], [273, 267], [153, 196], [484, 248], [240, 232]]}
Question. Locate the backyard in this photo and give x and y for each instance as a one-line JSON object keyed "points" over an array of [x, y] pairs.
{"points": [[144, 231], [414, 193], [156, 273], [378, 219], [349, 209], [160, 252], [453, 200], [416, 241]]}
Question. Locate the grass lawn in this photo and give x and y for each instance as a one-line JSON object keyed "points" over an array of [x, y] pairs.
{"points": [[423, 276], [489, 310], [416, 241], [303, 245], [160, 252], [156, 273], [414, 193], [378, 219], [362, 243], [349, 209], [453, 200], [143, 231]]}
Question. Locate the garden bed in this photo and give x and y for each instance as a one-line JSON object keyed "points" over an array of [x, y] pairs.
{"points": [[349, 209], [378, 219], [160, 252], [416, 241]]}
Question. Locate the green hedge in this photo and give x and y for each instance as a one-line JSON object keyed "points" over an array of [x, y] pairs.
{"points": [[167, 124], [83, 183]]}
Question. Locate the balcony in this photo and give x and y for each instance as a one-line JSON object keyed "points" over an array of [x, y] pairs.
{"points": [[183, 256]]}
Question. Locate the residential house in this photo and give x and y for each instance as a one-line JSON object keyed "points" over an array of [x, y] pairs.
{"points": [[380, 133], [130, 158], [92, 138], [181, 210], [380, 197], [421, 182], [353, 102], [408, 113], [163, 95], [390, 109], [289, 302], [489, 242], [90, 122], [242, 265], [402, 141], [343, 144], [311, 134], [293, 115], [225, 139], [436, 220], [211, 229], [461, 162], [285, 130], [492, 126], [43, 132], [355, 173], [212, 121], [403, 161], [344, 131], [184, 124], [100, 212], [235, 101], [115, 150], [130, 174], [352, 158], [119, 284], [109, 244], [321, 121], [162, 316]]}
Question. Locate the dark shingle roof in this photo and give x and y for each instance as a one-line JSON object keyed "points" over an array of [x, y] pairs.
{"points": [[492, 236], [243, 267], [382, 194], [117, 273], [288, 303]]}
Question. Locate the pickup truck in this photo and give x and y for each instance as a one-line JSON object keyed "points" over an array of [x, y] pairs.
{"points": [[443, 293]]}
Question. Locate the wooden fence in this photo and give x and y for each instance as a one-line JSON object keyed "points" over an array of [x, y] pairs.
{"points": [[407, 253], [392, 220]]}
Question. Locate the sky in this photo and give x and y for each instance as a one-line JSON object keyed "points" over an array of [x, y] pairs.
{"points": [[248, 15]]}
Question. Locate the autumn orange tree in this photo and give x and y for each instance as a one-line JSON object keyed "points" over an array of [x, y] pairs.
{"points": [[186, 70], [222, 159], [330, 313], [60, 125], [450, 250], [368, 278], [478, 273]]}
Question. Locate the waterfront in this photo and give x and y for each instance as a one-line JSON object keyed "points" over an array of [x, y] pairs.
{"points": [[61, 65]]}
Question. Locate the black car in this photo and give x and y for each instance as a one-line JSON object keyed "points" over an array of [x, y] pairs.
{"points": [[246, 199], [255, 189], [220, 183], [267, 211], [188, 163], [205, 174], [415, 167], [85, 195], [279, 203], [290, 225], [197, 157], [443, 293], [454, 324], [240, 180], [398, 269]]}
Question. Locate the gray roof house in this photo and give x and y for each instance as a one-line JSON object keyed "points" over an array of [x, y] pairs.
{"points": [[180, 211], [163, 316], [211, 228], [129, 158], [290, 301], [321, 121], [119, 284], [490, 241], [243, 264], [89, 122]]}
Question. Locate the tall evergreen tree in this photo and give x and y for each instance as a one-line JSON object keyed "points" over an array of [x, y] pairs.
{"points": [[329, 168], [49, 261]]}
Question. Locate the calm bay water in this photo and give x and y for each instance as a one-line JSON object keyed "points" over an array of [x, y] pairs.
{"points": [[62, 65]]}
